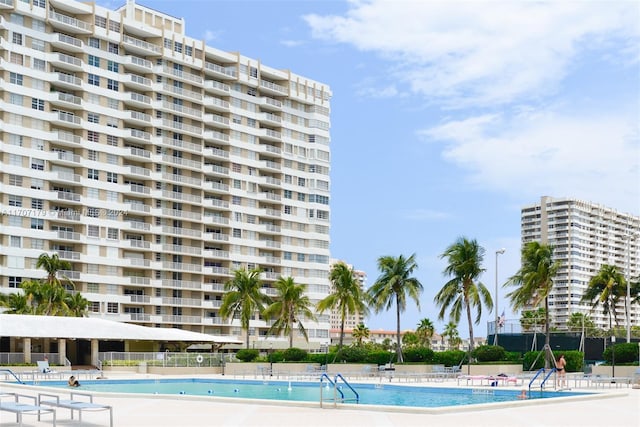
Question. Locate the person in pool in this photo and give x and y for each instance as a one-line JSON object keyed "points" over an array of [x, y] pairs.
{"points": [[73, 382]]}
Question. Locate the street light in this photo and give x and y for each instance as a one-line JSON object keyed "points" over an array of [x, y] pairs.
{"points": [[495, 339], [270, 359], [613, 358], [627, 301]]}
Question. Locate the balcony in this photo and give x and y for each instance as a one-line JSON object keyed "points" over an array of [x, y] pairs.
{"points": [[192, 164], [187, 111], [216, 186], [216, 152], [270, 87], [267, 164], [68, 196], [138, 171], [270, 119], [137, 262], [137, 99], [6, 4], [228, 73], [69, 24], [139, 244], [61, 137], [66, 177], [217, 87], [183, 145], [216, 203], [174, 195], [216, 170], [182, 75], [215, 136], [138, 64], [139, 207], [68, 235], [141, 47], [175, 213], [191, 250], [65, 42], [140, 189], [217, 237], [66, 100], [182, 127], [136, 81], [139, 225], [181, 319], [181, 231], [182, 266], [216, 120], [64, 61], [138, 280], [69, 255], [182, 93], [68, 81], [187, 180], [138, 152], [217, 104], [270, 134], [181, 284], [69, 158], [137, 118], [267, 103], [137, 135], [68, 216]]}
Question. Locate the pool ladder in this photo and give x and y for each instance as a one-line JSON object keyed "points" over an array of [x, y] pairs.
{"points": [[546, 377], [337, 390]]}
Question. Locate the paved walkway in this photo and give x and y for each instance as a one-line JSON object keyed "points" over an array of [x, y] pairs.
{"points": [[616, 407]]}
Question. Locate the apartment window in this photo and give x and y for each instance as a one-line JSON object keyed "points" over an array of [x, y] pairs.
{"points": [[93, 174], [288, 194], [92, 155], [37, 223], [94, 42], [94, 79], [168, 44], [112, 84], [113, 66], [15, 180], [14, 139], [112, 307], [253, 72], [301, 197], [39, 45], [16, 99], [93, 288], [301, 182], [301, 257], [237, 233], [113, 103], [37, 84], [236, 167], [40, 3], [37, 184], [237, 184], [37, 25], [37, 164], [112, 159], [15, 201], [287, 210], [93, 136], [16, 78], [14, 281], [94, 61], [37, 243], [93, 212], [112, 122], [93, 268], [188, 50], [39, 64], [93, 118], [14, 18], [15, 160], [112, 177], [16, 58], [112, 140], [177, 47], [15, 242], [288, 179], [235, 200], [15, 221], [286, 256], [112, 233], [17, 38], [37, 204], [93, 193], [114, 26], [93, 231], [37, 104], [113, 48], [100, 21], [15, 119], [94, 306]]}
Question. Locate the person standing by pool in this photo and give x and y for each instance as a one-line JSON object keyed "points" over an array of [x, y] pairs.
{"points": [[562, 373]]}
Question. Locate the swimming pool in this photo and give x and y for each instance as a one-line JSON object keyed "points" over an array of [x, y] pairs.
{"points": [[308, 391]]}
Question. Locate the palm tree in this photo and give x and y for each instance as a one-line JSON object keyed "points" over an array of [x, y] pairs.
{"points": [[288, 308], [360, 333], [16, 303], [530, 319], [394, 285], [534, 281], [77, 305], [451, 332], [243, 297], [425, 331], [463, 291], [346, 296], [606, 288], [52, 264]]}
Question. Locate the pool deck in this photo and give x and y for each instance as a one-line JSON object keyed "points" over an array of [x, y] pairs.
{"points": [[616, 407]]}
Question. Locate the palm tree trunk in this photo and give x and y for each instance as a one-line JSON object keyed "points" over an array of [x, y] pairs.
{"points": [[547, 338], [471, 343], [398, 344]]}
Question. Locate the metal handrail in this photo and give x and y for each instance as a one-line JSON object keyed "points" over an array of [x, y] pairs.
{"points": [[541, 370], [348, 385], [13, 375], [551, 371]]}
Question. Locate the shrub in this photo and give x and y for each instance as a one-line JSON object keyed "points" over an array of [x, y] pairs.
{"points": [[449, 358], [379, 357], [247, 354], [489, 353], [418, 354], [574, 360], [625, 353], [352, 355], [294, 354]]}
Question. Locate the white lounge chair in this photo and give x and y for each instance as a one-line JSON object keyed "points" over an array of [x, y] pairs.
{"points": [[43, 367], [20, 408], [75, 405]]}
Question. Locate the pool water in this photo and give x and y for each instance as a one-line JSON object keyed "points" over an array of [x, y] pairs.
{"points": [[369, 394]]}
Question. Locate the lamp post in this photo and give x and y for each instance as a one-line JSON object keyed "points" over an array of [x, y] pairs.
{"points": [[495, 339], [613, 358], [271, 359], [627, 301]]}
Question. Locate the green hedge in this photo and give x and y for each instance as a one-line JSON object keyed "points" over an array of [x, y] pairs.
{"points": [[489, 353], [574, 360], [625, 353]]}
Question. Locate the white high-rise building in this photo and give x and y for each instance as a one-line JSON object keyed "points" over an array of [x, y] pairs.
{"points": [[585, 236], [157, 165]]}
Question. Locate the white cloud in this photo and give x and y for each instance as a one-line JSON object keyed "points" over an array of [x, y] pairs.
{"points": [[210, 35], [590, 157], [482, 53], [291, 43]]}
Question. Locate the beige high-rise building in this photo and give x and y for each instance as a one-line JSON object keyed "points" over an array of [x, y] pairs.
{"points": [[585, 236], [157, 165]]}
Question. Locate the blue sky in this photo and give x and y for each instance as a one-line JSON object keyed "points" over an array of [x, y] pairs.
{"points": [[448, 117]]}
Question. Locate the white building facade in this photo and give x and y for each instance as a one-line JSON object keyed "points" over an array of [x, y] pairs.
{"points": [[585, 236], [157, 165]]}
